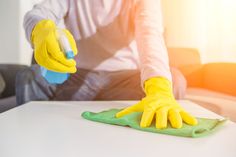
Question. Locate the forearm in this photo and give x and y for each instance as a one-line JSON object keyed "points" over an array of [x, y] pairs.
{"points": [[151, 46], [48, 9]]}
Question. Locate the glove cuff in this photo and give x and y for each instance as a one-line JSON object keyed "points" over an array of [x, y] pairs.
{"points": [[158, 86]]}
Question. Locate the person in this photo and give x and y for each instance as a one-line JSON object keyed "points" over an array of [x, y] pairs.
{"points": [[122, 56]]}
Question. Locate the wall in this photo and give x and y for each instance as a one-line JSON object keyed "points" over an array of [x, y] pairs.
{"points": [[14, 46], [9, 32], [184, 24], [209, 25]]}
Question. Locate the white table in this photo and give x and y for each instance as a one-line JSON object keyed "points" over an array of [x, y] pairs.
{"points": [[56, 129]]}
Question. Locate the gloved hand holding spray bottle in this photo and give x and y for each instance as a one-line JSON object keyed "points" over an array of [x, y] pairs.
{"points": [[58, 77], [54, 50]]}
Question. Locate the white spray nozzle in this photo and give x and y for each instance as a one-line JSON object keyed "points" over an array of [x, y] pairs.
{"points": [[64, 43]]}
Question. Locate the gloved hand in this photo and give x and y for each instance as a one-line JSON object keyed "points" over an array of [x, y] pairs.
{"points": [[159, 102], [47, 52]]}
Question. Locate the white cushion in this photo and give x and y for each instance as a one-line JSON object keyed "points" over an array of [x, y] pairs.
{"points": [[219, 103]]}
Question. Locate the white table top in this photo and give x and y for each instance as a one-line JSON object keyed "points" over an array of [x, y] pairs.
{"points": [[56, 129]]}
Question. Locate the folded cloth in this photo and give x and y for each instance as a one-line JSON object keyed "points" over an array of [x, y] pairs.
{"points": [[205, 126]]}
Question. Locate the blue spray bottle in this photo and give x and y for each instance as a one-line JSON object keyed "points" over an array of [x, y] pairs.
{"points": [[57, 77]]}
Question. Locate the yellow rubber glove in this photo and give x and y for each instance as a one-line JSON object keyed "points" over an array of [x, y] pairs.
{"points": [[47, 52], [159, 102]]}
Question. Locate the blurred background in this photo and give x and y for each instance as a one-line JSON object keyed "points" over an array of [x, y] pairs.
{"points": [[208, 25]]}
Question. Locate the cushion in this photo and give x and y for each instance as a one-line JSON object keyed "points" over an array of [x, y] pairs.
{"points": [[217, 102], [2, 85]]}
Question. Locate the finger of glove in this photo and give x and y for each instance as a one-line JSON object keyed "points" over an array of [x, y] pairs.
{"points": [[45, 60], [187, 118], [55, 52], [128, 110], [175, 118], [147, 116], [54, 65], [161, 117], [71, 41]]}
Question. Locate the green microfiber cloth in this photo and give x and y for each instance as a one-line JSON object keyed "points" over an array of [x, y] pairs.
{"points": [[205, 126]]}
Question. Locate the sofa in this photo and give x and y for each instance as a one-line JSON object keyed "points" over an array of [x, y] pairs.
{"points": [[211, 85], [8, 74]]}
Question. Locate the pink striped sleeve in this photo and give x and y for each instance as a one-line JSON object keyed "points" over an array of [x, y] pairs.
{"points": [[149, 37]]}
